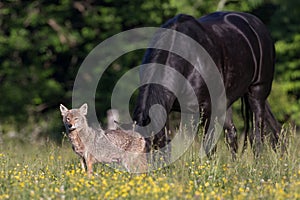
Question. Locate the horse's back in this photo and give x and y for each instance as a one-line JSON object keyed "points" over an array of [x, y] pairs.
{"points": [[242, 50], [239, 44]]}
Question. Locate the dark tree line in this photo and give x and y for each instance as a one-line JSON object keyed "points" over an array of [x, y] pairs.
{"points": [[43, 43]]}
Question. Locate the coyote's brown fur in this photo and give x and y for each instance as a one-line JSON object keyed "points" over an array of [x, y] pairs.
{"points": [[106, 146]]}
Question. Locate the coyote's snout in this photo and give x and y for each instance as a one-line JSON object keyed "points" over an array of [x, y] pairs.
{"points": [[106, 146]]}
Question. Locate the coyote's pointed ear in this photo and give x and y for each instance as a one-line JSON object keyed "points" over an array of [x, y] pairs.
{"points": [[63, 109], [83, 109]]}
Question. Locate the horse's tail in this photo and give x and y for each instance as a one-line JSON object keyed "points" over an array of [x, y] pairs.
{"points": [[247, 117]]}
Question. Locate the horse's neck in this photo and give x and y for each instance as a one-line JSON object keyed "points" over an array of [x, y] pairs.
{"points": [[146, 100]]}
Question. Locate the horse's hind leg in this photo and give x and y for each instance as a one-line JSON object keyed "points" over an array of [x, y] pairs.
{"points": [[230, 133], [257, 106], [275, 127]]}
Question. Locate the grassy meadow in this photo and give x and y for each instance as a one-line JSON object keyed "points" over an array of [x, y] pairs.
{"points": [[53, 171]]}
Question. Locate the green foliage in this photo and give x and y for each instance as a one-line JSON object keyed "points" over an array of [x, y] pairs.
{"points": [[44, 42], [285, 30]]}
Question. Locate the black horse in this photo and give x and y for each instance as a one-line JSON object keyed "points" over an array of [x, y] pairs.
{"points": [[243, 51]]}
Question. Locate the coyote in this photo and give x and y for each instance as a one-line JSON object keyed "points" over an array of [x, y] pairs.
{"points": [[105, 146]]}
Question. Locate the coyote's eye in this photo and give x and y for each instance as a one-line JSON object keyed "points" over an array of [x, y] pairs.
{"points": [[76, 118], [68, 118]]}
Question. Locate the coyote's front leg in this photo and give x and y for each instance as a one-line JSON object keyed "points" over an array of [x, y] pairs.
{"points": [[89, 163], [83, 164]]}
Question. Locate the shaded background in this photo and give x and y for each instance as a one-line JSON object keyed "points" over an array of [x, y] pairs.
{"points": [[43, 43]]}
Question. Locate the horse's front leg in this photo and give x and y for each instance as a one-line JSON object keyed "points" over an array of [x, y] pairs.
{"points": [[208, 146]]}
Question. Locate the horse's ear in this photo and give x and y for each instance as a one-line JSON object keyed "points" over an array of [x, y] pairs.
{"points": [[63, 109], [83, 109]]}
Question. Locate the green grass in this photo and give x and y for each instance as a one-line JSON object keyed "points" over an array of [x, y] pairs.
{"points": [[53, 172]]}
